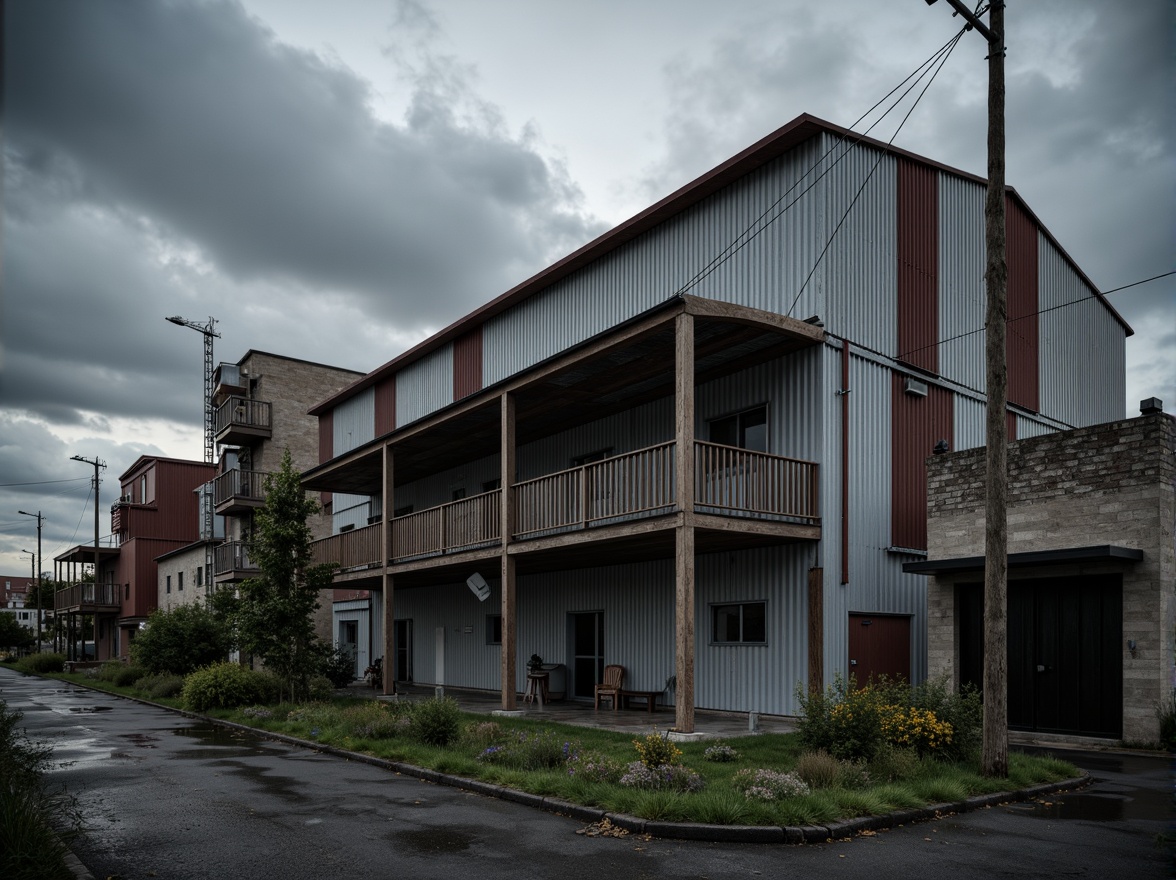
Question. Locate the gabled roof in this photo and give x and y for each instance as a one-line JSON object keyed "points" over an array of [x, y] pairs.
{"points": [[776, 144]]}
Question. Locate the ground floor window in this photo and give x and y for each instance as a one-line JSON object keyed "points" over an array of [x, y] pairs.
{"points": [[493, 629], [742, 623]]}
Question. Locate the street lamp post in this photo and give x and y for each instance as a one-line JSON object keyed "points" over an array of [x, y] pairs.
{"points": [[98, 464], [37, 571]]}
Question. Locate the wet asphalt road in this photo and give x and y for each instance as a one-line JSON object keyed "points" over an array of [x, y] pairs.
{"points": [[168, 797]]}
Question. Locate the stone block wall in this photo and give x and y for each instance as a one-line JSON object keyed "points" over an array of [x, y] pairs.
{"points": [[1113, 483]]}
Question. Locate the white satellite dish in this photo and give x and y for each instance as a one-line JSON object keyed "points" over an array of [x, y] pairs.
{"points": [[478, 586]]}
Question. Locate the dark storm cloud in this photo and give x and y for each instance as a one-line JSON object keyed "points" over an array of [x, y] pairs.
{"points": [[268, 158]]}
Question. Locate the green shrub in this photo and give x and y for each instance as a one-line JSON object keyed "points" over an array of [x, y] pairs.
{"points": [[321, 689], [894, 764], [481, 734], [656, 750], [338, 666], [818, 769], [33, 819], [223, 686], [373, 720], [531, 751], [108, 671], [964, 711], [128, 675], [42, 663], [157, 686], [180, 640], [595, 767], [843, 720], [435, 722]]}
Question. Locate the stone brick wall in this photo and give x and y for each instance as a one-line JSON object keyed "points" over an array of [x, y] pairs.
{"points": [[189, 562], [1105, 484]]}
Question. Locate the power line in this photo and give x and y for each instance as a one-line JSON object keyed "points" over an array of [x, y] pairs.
{"points": [[42, 482], [943, 60], [1076, 302], [745, 237]]}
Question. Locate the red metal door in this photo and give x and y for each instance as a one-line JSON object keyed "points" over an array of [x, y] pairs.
{"points": [[879, 644]]}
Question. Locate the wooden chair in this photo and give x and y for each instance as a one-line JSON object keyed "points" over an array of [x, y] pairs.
{"points": [[614, 678]]}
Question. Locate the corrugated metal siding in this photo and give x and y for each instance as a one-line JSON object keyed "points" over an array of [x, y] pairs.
{"points": [[354, 422], [438, 488], [349, 510], [968, 427], [1022, 345], [467, 363], [637, 604], [1082, 356], [765, 273], [425, 386], [385, 406], [917, 424], [918, 265], [625, 431], [861, 284], [360, 612], [961, 281]]}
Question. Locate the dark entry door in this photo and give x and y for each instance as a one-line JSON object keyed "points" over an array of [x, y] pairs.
{"points": [[1065, 661], [403, 647], [349, 643], [587, 642], [879, 644]]}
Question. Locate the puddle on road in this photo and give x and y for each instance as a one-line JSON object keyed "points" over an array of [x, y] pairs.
{"points": [[1142, 804], [82, 710], [141, 740], [433, 840]]}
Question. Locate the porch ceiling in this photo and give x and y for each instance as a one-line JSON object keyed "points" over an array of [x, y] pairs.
{"points": [[86, 554], [611, 373]]}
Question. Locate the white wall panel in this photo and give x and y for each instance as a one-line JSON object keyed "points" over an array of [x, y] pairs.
{"points": [[961, 280]]}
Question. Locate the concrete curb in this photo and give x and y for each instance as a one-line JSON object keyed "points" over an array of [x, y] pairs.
{"points": [[789, 834]]}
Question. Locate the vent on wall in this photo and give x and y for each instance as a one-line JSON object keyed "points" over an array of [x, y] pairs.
{"points": [[914, 387]]}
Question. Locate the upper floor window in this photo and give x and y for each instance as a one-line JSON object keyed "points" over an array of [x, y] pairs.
{"points": [[745, 430], [493, 629], [180, 581], [588, 458], [168, 587], [143, 489]]}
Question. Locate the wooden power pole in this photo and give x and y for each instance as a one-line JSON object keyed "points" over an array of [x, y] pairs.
{"points": [[995, 749]]}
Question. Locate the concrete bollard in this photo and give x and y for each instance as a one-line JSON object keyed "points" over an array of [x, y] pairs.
{"points": [[438, 692], [753, 722]]}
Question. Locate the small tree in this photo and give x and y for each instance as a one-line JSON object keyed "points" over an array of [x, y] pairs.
{"points": [[13, 634], [180, 641], [272, 615]]}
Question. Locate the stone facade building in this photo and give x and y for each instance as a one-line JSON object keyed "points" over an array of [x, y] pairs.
{"points": [[1092, 575]]}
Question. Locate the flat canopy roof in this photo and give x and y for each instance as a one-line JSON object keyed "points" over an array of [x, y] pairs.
{"points": [[1101, 553]]}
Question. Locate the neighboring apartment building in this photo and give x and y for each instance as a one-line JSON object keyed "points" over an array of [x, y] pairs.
{"points": [[1092, 576], [183, 574], [15, 601], [157, 511], [262, 402], [711, 423]]}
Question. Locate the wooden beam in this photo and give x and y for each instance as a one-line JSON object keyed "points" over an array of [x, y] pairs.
{"points": [[684, 535], [507, 451]]}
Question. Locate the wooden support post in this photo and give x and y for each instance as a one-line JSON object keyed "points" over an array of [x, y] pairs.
{"points": [[684, 534], [507, 518], [386, 509]]}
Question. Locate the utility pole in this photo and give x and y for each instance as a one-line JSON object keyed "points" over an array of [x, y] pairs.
{"points": [[37, 571], [995, 749], [98, 465]]}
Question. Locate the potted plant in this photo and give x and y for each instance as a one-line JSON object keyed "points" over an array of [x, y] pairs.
{"points": [[535, 663]]}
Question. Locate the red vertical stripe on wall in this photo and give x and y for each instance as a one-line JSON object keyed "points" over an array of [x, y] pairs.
{"points": [[1021, 346], [916, 425], [386, 406], [1011, 425], [918, 265], [467, 363], [326, 440]]}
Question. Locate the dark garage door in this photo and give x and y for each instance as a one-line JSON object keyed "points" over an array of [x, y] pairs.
{"points": [[1064, 654]]}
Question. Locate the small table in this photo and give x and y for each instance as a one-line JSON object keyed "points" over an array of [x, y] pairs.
{"points": [[536, 688], [650, 698]]}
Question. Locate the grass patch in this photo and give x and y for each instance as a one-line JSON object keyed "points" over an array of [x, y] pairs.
{"points": [[533, 755]]}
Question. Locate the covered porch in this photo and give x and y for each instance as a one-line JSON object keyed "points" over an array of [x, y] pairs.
{"points": [[671, 500]]}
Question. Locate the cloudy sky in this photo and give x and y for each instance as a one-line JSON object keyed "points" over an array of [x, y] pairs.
{"points": [[336, 180]]}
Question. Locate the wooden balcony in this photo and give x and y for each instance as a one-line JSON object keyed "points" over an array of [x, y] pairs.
{"points": [[231, 562], [729, 484], [241, 421], [88, 599], [239, 491]]}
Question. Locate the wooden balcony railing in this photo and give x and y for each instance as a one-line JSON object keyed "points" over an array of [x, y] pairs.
{"points": [[740, 481], [458, 525], [631, 484], [239, 484], [728, 481], [87, 596], [354, 549]]}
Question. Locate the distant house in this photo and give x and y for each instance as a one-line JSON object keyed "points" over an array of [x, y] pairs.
{"points": [[695, 447], [262, 402], [1092, 576], [157, 510]]}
